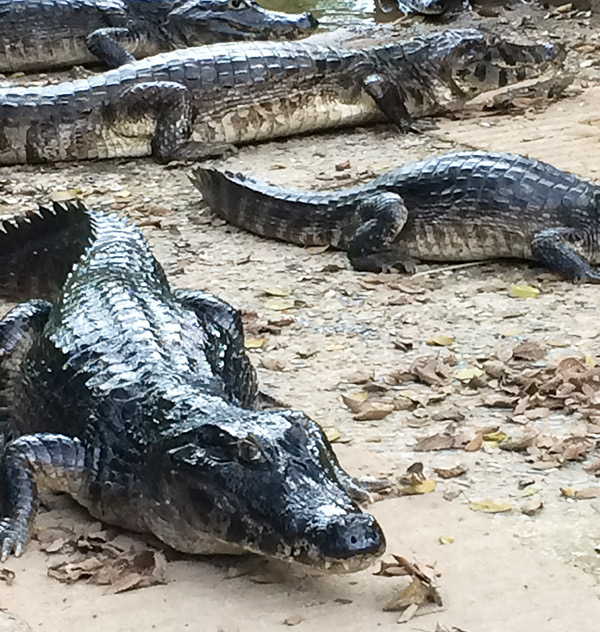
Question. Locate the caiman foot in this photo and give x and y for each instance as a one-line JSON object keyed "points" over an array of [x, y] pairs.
{"points": [[56, 460], [563, 250], [375, 247]]}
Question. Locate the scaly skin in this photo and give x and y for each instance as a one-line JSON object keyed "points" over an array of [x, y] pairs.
{"points": [[462, 206], [47, 34], [138, 401], [254, 91]]}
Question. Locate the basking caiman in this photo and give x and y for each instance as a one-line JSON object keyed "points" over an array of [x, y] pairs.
{"points": [[253, 91], [462, 206], [46, 34], [137, 400]]}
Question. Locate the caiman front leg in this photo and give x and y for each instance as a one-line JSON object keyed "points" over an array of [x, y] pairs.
{"points": [[172, 105], [230, 359], [563, 250], [390, 101], [54, 462], [107, 45], [374, 247]]}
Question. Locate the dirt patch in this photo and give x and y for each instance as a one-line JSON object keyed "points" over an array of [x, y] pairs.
{"points": [[430, 352]]}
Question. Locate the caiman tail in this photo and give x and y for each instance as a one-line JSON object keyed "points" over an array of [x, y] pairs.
{"points": [[273, 212], [38, 250]]}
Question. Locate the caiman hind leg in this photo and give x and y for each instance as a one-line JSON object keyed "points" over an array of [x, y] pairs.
{"points": [[564, 250], [172, 106], [228, 356], [375, 247], [53, 461]]}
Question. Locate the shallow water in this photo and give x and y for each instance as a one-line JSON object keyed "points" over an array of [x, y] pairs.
{"points": [[327, 11]]}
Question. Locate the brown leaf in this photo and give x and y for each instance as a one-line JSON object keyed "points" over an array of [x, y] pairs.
{"points": [[453, 472], [416, 593], [372, 411], [494, 368], [475, 443], [429, 369], [580, 494], [439, 441], [593, 467], [516, 444], [528, 350]]}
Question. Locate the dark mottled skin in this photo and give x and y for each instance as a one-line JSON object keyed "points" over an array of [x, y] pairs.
{"points": [[138, 400], [46, 34], [251, 91], [462, 206]]}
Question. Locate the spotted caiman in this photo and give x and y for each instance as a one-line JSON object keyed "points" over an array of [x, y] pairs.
{"points": [[138, 400], [253, 91], [461, 206], [46, 34]]}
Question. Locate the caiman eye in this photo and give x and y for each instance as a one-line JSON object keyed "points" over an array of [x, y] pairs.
{"points": [[237, 4], [249, 450], [219, 445]]}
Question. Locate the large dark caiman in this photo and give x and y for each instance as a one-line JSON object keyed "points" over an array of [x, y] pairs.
{"points": [[46, 34], [137, 400], [463, 206], [254, 91]]}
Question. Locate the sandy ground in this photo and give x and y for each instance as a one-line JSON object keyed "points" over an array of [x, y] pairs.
{"points": [[504, 571]]}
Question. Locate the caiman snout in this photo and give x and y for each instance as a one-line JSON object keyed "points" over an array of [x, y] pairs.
{"points": [[353, 536]]}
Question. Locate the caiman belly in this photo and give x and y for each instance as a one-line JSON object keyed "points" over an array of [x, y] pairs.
{"points": [[296, 113], [462, 240]]}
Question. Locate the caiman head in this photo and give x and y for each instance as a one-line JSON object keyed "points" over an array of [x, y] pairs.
{"points": [[205, 21], [456, 64], [266, 482]]}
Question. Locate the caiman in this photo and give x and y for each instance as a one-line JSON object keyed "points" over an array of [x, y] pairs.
{"points": [[188, 103], [463, 206], [138, 400], [47, 34]]}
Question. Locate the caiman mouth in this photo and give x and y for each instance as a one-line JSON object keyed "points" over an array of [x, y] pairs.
{"points": [[304, 25]]}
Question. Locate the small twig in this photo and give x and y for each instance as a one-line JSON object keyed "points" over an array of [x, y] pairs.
{"points": [[456, 266]]}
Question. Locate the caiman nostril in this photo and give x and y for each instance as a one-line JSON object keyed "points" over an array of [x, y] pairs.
{"points": [[355, 534]]}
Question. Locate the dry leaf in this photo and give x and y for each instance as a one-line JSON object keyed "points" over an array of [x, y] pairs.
{"points": [[355, 401], [475, 443], [439, 441], [531, 507], [274, 290], [254, 343], [372, 411], [7, 576], [441, 340], [524, 291], [453, 472], [593, 467], [272, 363], [416, 593], [278, 304], [490, 506], [464, 375], [580, 494], [528, 350]]}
